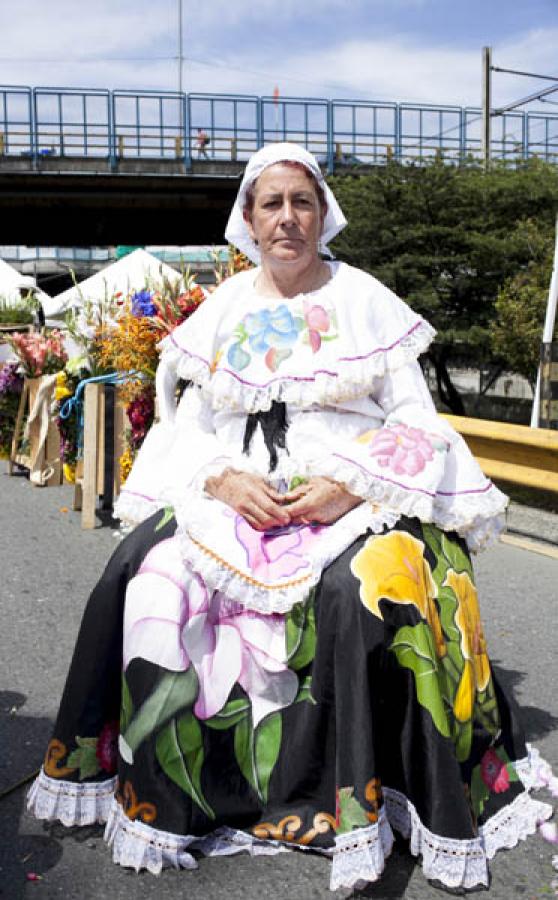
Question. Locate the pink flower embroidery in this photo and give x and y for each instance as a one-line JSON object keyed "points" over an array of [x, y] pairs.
{"points": [[494, 772], [172, 620], [317, 320], [403, 449], [275, 555], [107, 747]]}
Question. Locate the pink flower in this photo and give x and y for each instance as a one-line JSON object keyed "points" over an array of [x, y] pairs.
{"points": [[317, 320], [403, 449], [172, 620], [107, 747], [494, 772], [275, 555]]}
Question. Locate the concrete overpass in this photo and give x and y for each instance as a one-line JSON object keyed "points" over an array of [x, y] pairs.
{"points": [[80, 203]]}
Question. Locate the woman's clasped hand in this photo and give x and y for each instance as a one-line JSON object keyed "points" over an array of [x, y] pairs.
{"points": [[317, 500]]}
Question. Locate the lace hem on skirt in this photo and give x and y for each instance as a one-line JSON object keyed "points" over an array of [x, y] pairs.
{"points": [[70, 803]]}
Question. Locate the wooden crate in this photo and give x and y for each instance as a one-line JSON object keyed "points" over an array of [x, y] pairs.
{"points": [[37, 456], [90, 472]]}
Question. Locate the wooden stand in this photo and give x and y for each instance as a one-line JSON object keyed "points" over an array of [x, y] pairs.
{"points": [[90, 473], [46, 456]]}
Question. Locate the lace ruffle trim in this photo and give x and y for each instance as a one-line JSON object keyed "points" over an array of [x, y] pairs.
{"points": [[218, 575], [70, 803], [134, 508], [478, 516], [226, 389], [360, 855]]}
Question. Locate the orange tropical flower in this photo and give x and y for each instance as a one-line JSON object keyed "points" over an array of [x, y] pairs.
{"points": [[476, 673], [392, 566]]}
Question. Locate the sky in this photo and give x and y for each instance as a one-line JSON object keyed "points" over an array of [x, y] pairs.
{"points": [[422, 51]]}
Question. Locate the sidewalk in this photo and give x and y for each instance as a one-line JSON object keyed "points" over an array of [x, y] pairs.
{"points": [[48, 567]]}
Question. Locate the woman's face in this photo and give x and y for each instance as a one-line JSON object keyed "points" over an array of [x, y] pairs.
{"points": [[286, 219]]}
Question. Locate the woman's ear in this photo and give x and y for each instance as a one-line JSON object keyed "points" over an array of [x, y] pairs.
{"points": [[246, 215]]}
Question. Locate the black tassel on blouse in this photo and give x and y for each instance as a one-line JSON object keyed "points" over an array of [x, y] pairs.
{"points": [[274, 425]]}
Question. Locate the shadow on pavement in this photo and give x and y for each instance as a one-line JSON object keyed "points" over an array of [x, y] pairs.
{"points": [[536, 722], [24, 740]]}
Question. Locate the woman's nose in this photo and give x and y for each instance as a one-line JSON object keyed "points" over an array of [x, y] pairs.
{"points": [[287, 213]]}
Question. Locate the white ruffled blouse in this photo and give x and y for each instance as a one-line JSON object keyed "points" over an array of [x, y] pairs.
{"points": [[343, 358]]}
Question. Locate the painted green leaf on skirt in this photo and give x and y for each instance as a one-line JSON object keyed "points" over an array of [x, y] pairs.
{"points": [[257, 752], [457, 558], [231, 714], [301, 634], [351, 813], [179, 751], [175, 691], [126, 706], [168, 513], [84, 757], [414, 649]]}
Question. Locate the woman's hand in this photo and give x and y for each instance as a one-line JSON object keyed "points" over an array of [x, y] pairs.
{"points": [[250, 496], [320, 500]]}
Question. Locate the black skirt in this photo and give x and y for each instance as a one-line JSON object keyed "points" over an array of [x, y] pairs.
{"points": [[189, 722]]}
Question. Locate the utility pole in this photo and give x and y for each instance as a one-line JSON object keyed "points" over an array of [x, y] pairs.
{"points": [[486, 105], [180, 53]]}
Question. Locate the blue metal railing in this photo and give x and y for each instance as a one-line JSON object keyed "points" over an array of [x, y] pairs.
{"points": [[124, 124]]}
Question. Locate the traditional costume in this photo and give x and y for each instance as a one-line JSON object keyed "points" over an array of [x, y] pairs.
{"points": [[314, 686]]}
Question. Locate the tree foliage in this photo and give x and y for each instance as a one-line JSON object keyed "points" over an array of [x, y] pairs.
{"points": [[448, 239]]}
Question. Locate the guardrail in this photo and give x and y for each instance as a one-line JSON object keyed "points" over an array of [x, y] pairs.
{"points": [[113, 125], [514, 453]]}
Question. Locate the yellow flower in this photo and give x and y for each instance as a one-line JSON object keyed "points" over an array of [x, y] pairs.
{"points": [[69, 470], [465, 695], [392, 566], [467, 619], [60, 393], [126, 462]]}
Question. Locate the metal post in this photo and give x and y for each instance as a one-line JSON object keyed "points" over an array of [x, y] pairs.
{"points": [[486, 105], [180, 56]]}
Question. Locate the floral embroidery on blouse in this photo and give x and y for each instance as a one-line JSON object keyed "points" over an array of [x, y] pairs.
{"points": [[403, 449], [273, 333]]}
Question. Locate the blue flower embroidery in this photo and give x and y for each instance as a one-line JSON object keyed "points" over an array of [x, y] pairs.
{"points": [[271, 332]]}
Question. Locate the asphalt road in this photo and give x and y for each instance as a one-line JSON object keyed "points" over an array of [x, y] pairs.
{"points": [[48, 566]]}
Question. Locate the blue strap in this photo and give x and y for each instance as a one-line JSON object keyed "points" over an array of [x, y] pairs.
{"points": [[74, 405]]}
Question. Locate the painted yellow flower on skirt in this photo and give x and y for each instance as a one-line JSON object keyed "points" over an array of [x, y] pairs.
{"points": [[392, 567], [476, 672]]}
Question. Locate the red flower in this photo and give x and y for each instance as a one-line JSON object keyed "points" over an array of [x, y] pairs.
{"points": [[107, 747], [494, 772]]}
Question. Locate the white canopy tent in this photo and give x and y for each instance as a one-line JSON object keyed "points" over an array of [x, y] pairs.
{"points": [[11, 283], [127, 274]]}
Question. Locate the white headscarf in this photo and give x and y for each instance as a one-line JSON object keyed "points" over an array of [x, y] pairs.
{"points": [[237, 232]]}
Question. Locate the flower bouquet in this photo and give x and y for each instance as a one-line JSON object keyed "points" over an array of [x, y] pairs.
{"points": [[11, 384], [39, 354]]}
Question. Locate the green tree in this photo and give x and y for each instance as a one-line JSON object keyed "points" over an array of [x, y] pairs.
{"points": [[520, 308], [447, 238]]}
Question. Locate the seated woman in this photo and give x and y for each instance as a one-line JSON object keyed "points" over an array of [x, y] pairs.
{"points": [[288, 649]]}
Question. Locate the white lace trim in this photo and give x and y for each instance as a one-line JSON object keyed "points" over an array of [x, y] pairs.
{"points": [[241, 587], [352, 378], [360, 856], [478, 516], [68, 802], [134, 508], [138, 846]]}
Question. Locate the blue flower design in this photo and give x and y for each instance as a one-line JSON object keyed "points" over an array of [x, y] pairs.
{"points": [[271, 328], [142, 304]]}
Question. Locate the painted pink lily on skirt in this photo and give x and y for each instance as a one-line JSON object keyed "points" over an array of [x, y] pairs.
{"points": [[172, 620]]}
